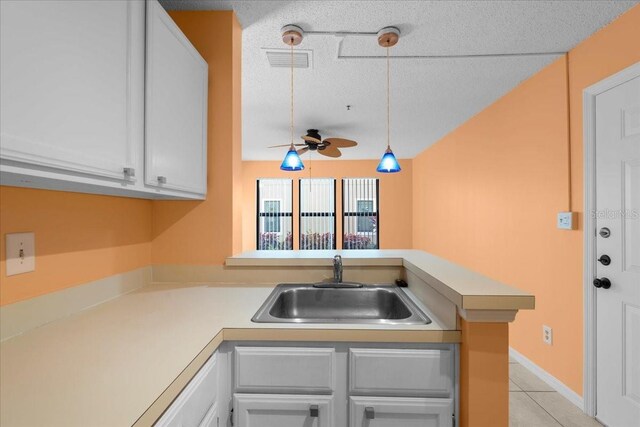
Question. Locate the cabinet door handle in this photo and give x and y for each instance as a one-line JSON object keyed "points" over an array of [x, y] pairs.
{"points": [[369, 413], [162, 179], [129, 172], [314, 411]]}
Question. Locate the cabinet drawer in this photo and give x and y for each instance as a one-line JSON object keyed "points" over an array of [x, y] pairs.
{"points": [[390, 372], [400, 411], [282, 410], [191, 406], [285, 369]]}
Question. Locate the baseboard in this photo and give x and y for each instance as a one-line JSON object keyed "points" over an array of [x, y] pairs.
{"points": [[20, 317], [552, 381]]}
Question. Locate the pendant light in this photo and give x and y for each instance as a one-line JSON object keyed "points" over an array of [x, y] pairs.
{"points": [[292, 35], [388, 37]]}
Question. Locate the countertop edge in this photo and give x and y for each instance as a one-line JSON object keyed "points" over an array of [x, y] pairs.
{"points": [[502, 297]]}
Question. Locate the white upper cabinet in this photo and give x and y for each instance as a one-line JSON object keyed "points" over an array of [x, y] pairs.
{"points": [[176, 107], [72, 87], [82, 110]]}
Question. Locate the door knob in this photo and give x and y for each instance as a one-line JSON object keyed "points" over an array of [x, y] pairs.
{"points": [[603, 283], [369, 413], [605, 259], [604, 232]]}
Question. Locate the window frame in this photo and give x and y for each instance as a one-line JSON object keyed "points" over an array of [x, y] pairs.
{"points": [[310, 214], [282, 214], [346, 214]]}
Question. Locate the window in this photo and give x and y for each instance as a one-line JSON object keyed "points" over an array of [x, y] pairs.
{"points": [[365, 225], [318, 213], [275, 214], [360, 219], [272, 219]]}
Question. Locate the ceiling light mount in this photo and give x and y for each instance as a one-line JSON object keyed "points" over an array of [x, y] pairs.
{"points": [[388, 36], [292, 35]]}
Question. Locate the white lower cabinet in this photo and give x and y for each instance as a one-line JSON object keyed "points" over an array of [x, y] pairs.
{"points": [[211, 419], [196, 406], [343, 384], [400, 411], [282, 410], [320, 385]]}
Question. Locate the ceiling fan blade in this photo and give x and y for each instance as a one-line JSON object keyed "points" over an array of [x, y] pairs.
{"points": [[330, 151], [286, 145], [303, 150], [311, 139], [341, 142]]}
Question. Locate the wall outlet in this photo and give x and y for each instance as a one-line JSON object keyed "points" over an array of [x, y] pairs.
{"points": [[567, 221], [21, 253], [547, 334]]}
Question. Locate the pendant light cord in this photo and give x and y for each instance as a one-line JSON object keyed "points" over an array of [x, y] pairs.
{"points": [[388, 102], [292, 147]]}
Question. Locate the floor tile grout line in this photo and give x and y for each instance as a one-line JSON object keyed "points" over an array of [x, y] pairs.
{"points": [[543, 408]]}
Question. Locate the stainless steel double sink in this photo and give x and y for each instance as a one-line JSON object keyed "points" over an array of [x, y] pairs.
{"points": [[340, 303]]}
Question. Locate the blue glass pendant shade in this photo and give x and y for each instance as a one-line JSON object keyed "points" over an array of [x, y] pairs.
{"points": [[388, 163], [292, 161]]}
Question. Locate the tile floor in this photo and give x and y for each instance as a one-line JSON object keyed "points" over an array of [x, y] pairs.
{"points": [[532, 403]]}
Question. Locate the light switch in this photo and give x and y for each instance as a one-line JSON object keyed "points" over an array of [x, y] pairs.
{"points": [[21, 253], [567, 220]]}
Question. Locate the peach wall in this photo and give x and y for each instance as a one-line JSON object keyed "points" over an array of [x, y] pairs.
{"points": [[484, 374], [79, 238], [486, 195], [395, 196], [207, 232]]}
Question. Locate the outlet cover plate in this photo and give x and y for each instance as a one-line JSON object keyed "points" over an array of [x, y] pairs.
{"points": [[567, 221], [20, 262]]}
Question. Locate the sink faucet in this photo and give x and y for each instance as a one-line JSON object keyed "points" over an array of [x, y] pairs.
{"points": [[337, 269]]}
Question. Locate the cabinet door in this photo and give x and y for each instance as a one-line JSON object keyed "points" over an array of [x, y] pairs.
{"points": [[211, 419], [400, 372], [175, 107], [72, 84], [282, 410], [194, 405], [400, 411]]}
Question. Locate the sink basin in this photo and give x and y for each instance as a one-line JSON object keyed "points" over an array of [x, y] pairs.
{"points": [[335, 303]]}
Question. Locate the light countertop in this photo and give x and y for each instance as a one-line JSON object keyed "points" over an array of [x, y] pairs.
{"points": [[107, 365], [465, 288]]}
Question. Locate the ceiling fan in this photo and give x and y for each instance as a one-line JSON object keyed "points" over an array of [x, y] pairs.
{"points": [[329, 147]]}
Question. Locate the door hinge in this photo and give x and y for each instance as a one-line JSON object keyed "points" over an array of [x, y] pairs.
{"points": [[231, 416], [453, 420]]}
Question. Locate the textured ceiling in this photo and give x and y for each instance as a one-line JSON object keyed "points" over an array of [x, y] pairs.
{"points": [[429, 97]]}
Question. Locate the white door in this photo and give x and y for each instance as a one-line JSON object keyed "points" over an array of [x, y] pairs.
{"points": [[618, 211], [400, 411], [176, 107], [282, 410], [72, 84]]}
